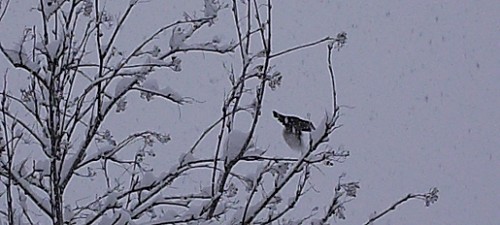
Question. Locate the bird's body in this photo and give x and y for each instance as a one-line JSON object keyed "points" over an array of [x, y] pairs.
{"points": [[293, 130]]}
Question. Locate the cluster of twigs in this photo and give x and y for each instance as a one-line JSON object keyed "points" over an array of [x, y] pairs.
{"points": [[72, 69]]}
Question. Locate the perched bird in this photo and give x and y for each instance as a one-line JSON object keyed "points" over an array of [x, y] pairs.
{"points": [[293, 128]]}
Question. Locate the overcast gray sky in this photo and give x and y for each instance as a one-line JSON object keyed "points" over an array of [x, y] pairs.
{"points": [[420, 79]]}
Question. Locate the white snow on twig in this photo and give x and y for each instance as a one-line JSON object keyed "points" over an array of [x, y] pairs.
{"points": [[321, 129], [105, 106], [149, 88], [105, 149], [16, 56], [156, 61], [43, 166], [184, 159], [19, 58], [111, 199], [234, 144], [171, 93], [179, 36], [51, 50], [148, 180], [123, 85], [151, 84], [255, 152], [105, 220]]}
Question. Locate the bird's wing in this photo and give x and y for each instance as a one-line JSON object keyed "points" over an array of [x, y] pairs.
{"points": [[294, 122]]}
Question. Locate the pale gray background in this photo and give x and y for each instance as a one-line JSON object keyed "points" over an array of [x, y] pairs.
{"points": [[420, 79]]}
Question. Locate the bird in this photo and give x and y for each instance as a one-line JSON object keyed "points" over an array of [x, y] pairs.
{"points": [[293, 130]]}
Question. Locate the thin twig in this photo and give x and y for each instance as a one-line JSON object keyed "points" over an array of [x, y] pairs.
{"points": [[393, 207], [301, 47], [4, 9]]}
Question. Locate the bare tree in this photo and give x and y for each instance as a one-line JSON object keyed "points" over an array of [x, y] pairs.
{"points": [[53, 133]]}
